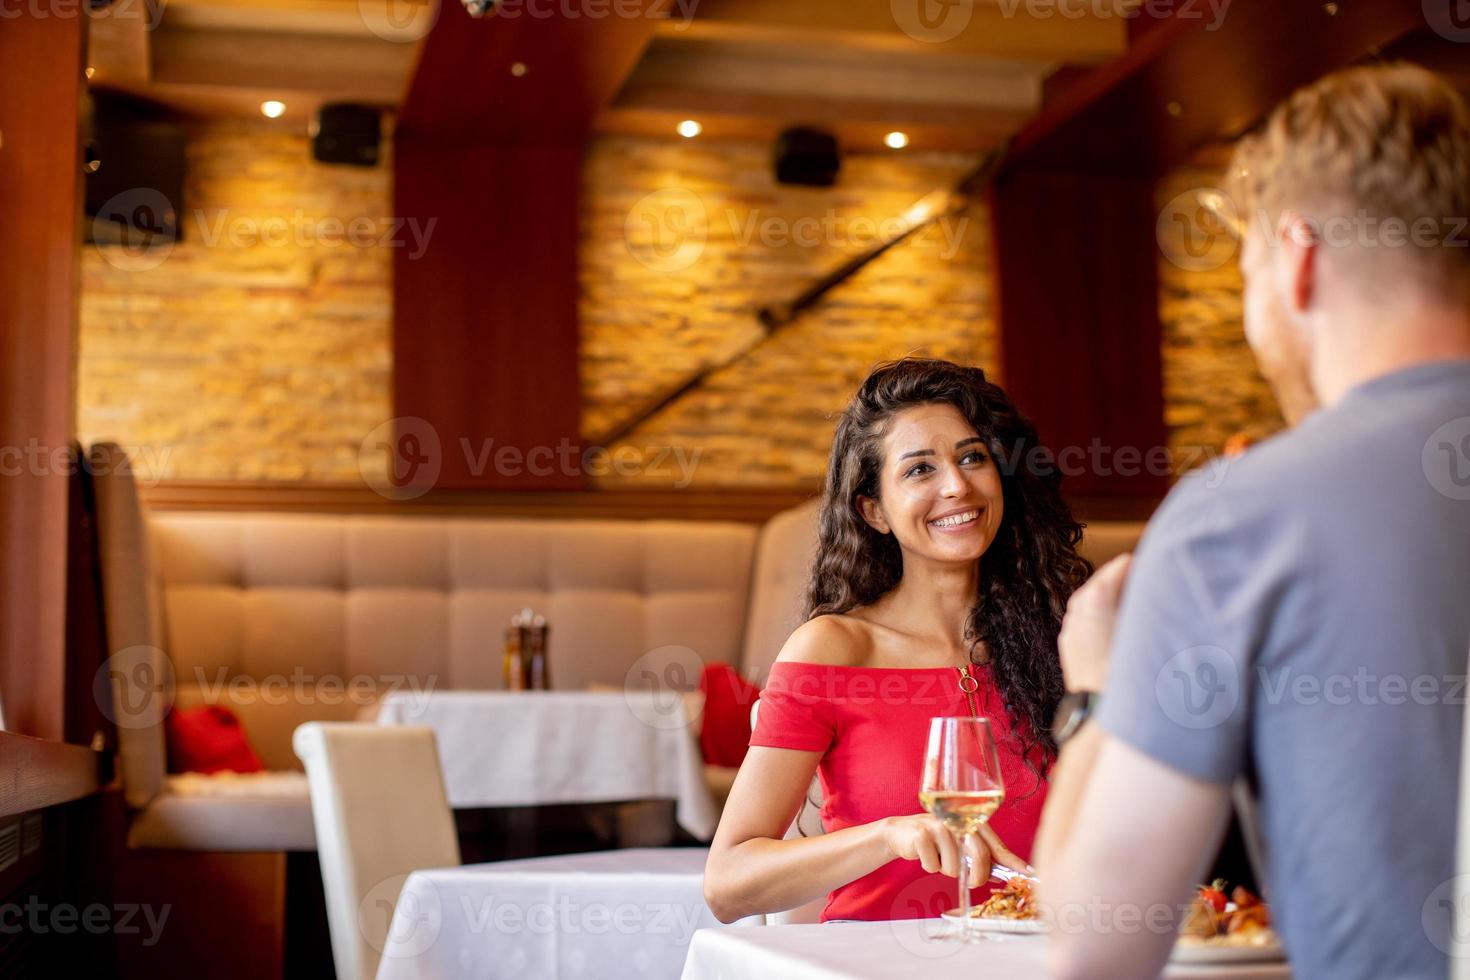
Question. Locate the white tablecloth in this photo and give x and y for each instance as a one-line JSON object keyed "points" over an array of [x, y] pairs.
{"points": [[528, 748], [607, 915], [900, 950]]}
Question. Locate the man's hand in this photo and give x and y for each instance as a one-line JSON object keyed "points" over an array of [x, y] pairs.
{"points": [[1087, 628]]}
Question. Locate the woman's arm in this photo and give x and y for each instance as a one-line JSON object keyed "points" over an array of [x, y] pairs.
{"points": [[751, 870]]}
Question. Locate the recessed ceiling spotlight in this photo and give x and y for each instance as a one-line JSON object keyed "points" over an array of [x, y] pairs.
{"points": [[273, 109], [518, 69], [896, 140], [689, 129]]}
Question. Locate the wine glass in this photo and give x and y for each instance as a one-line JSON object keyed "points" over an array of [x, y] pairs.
{"points": [[962, 786]]}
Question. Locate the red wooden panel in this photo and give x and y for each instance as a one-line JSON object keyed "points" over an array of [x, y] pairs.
{"points": [[40, 180], [1077, 308], [485, 321]]}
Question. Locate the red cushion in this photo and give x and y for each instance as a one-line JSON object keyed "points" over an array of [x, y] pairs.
{"points": [[724, 728], [209, 739]]}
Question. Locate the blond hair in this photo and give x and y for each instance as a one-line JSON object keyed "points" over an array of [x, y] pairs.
{"points": [[1385, 142]]}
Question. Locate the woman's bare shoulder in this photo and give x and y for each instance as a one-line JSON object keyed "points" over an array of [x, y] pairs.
{"points": [[834, 640]]}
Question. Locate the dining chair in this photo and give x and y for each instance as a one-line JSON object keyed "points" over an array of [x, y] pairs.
{"points": [[381, 813]]}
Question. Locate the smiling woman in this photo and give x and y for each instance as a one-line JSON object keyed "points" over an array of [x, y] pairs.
{"points": [[942, 570]]}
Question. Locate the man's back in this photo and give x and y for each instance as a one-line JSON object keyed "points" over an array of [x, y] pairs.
{"points": [[1302, 615]]}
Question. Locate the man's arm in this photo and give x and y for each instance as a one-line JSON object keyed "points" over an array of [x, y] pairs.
{"points": [[1122, 841], [1123, 835]]}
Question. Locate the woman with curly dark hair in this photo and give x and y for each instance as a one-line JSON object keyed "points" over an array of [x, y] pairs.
{"points": [[944, 564]]}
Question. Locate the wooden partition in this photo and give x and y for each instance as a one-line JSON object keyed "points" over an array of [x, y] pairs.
{"points": [[40, 180]]}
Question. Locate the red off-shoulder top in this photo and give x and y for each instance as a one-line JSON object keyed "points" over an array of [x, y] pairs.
{"points": [[871, 725]]}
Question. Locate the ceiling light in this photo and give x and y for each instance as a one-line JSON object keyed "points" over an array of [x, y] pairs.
{"points": [[896, 140], [272, 109], [518, 68], [689, 129]]}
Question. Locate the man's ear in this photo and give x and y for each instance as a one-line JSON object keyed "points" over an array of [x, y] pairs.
{"points": [[872, 512], [1303, 246]]}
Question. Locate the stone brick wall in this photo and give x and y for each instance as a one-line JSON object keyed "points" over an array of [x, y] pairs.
{"points": [[685, 243], [259, 346]]}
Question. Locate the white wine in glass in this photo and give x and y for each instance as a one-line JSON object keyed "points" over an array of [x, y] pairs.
{"points": [[962, 787]]}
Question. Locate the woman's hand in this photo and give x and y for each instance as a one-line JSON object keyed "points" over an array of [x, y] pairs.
{"points": [[923, 838]]}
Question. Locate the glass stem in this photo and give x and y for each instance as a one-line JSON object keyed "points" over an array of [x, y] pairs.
{"points": [[967, 864]]}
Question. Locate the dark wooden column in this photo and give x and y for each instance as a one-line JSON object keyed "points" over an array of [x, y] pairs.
{"points": [[1076, 278], [485, 321], [40, 184], [489, 148]]}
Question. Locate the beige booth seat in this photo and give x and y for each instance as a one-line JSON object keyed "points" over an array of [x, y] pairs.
{"points": [[294, 618]]}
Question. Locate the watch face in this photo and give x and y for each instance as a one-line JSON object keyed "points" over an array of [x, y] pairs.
{"points": [[1071, 713]]}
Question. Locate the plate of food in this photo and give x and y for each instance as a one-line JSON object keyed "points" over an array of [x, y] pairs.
{"points": [[1220, 930], [1009, 909]]}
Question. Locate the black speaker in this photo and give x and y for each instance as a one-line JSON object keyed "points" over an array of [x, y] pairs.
{"points": [[807, 156], [346, 133], [135, 174]]}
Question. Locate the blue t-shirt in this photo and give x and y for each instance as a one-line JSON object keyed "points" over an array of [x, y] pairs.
{"points": [[1301, 615]]}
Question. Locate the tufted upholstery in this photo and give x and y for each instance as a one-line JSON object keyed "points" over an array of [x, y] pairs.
{"points": [[294, 618]]}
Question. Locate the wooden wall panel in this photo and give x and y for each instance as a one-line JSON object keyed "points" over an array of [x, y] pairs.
{"points": [[40, 184], [1077, 300], [485, 321]]}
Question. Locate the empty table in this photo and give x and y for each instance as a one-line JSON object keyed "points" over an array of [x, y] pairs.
{"points": [[607, 915], [535, 748]]}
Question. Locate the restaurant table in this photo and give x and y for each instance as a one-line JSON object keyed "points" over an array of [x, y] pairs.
{"points": [[610, 914], [536, 748], [898, 950]]}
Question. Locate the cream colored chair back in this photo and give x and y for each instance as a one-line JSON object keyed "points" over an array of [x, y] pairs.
{"points": [[378, 803], [137, 672]]}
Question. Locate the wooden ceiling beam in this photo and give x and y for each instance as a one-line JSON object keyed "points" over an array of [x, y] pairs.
{"points": [[979, 29], [790, 72], [988, 124], [367, 69], [1186, 83], [978, 134], [501, 80], [118, 43]]}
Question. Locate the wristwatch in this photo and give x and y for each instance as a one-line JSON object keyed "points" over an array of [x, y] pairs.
{"points": [[1073, 711]]}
